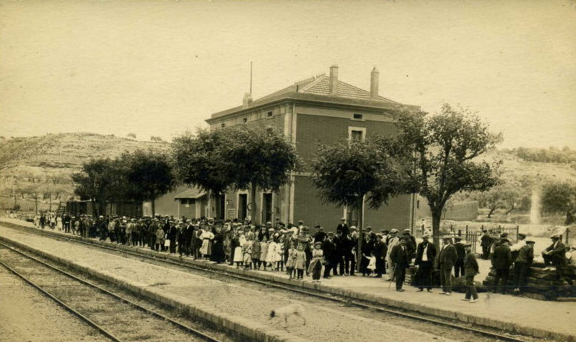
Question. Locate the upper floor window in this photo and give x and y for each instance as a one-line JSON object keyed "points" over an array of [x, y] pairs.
{"points": [[357, 117], [269, 114], [223, 125], [245, 120], [356, 133]]}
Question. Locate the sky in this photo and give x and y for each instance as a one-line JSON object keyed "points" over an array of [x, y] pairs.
{"points": [[159, 68]]}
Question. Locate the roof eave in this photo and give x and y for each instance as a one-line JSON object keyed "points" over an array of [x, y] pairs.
{"points": [[312, 98]]}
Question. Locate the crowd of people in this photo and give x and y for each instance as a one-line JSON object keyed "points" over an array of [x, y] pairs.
{"points": [[300, 251]]}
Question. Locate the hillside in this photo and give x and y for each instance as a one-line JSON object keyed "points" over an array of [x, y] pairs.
{"points": [[515, 167], [43, 164]]}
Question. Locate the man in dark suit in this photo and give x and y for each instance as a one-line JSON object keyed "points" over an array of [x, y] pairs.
{"points": [[400, 262], [471, 269], [555, 255], [320, 236], [343, 227], [461, 252], [329, 248], [380, 250], [446, 260], [501, 261], [486, 241], [425, 255], [522, 265]]}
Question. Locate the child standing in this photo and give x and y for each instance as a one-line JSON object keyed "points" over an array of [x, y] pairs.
{"points": [[256, 252], [238, 254], [300, 261], [247, 251], [272, 256], [316, 263], [263, 251], [291, 262]]}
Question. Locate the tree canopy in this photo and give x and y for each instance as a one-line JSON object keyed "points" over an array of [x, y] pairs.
{"points": [[240, 157], [140, 176], [437, 153], [560, 197], [345, 172]]}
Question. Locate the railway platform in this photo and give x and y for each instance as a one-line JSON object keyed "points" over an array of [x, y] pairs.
{"points": [[540, 319]]}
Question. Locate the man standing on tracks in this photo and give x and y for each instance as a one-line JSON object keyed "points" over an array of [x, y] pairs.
{"points": [[446, 260], [425, 255]]}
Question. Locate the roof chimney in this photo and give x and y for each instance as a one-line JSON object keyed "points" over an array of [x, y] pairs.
{"points": [[334, 80], [375, 75], [247, 100]]}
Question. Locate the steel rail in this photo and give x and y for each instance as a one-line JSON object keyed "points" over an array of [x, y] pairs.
{"points": [[183, 327], [300, 290], [62, 304]]}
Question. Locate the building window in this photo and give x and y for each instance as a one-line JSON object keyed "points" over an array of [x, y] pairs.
{"points": [[356, 133], [245, 120], [269, 114], [223, 125], [357, 117]]}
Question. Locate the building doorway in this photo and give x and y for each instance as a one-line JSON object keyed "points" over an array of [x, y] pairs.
{"points": [[242, 206], [220, 206], [266, 208]]}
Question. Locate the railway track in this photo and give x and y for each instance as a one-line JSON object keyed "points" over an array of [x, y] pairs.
{"points": [[343, 300], [97, 306]]}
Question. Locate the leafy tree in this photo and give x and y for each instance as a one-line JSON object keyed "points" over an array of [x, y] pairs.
{"points": [[257, 157], [503, 196], [198, 161], [100, 181], [437, 153], [560, 197], [148, 175], [348, 174]]}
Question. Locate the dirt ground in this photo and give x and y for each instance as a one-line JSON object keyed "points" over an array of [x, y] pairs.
{"points": [[26, 315]]}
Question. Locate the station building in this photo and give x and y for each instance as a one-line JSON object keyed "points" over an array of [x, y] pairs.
{"points": [[321, 109]]}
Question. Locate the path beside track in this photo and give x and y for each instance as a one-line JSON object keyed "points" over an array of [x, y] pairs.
{"points": [[523, 315]]}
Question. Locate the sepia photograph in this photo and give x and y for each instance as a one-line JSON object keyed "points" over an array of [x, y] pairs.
{"points": [[287, 170]]}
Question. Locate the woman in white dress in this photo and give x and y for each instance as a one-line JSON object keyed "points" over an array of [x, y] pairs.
{"points": [[206, 249]]}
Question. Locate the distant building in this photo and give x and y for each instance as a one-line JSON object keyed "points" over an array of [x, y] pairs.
{"points": [[320, 109]]}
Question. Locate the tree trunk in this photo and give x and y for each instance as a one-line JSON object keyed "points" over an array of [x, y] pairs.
{"points": [[359, 205], [570, 218], [36, 203], [510, 210], [491, 211], [255, 215], [436, 217], [153, 207]]}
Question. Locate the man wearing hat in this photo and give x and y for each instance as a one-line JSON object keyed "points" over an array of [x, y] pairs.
{"points": [[522, 265], [461, 252], [352, 242], [501, 261], [555, 254], [320, 236], [400, 262], [343, 227], [446, 260], [486, 242], [471, 269], [393, 241], [425, 255], [516, 247], [329, 248]]}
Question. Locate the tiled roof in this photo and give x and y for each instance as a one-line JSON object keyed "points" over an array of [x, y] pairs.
{"points": [[320, 85], [190, 193]]}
